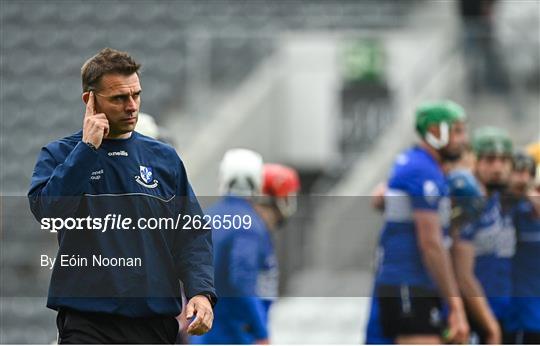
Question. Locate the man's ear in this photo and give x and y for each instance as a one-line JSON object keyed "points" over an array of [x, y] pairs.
{"points": [[85, 96]]}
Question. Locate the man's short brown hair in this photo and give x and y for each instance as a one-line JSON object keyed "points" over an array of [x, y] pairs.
{"points": [[110, 61]]}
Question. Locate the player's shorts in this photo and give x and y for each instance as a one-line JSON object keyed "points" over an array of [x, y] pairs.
{"points": [[409, 310]]}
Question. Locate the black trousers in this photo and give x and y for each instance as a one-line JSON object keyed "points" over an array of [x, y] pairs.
{"points": [[75, 327]]}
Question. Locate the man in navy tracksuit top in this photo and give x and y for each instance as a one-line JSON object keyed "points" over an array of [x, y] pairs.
{"points": [[125, 285]]}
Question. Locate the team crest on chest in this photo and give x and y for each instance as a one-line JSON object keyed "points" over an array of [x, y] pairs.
{"points": [[146, 177]]}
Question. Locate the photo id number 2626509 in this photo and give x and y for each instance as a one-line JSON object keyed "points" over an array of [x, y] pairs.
{"points": [[216, 222]]}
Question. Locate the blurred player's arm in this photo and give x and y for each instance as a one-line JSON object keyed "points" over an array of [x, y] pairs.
{"points": [[435, 256], [463, 255], [377, 196], [436, 259], [243, 273]]}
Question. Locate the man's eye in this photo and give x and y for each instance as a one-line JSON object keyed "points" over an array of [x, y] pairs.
{"points": [[118, 98]]}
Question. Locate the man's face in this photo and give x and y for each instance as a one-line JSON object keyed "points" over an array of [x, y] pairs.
{"points": [[494, 170], [457, 141], [520, 181], [118, 96]]}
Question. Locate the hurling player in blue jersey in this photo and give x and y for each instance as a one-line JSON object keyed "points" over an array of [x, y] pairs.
{"points": [[466, 201], [103, 171], [245, 262], [524, 321], [483, 248], [415, 275]]}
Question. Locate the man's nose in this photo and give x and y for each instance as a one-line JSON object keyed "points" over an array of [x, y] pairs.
{"points": [[131, 105], [497, 167]]}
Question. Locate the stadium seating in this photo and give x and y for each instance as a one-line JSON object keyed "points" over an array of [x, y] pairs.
{"points": [[44, 45]]}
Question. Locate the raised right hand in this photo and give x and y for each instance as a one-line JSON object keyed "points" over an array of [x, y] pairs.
{"points": [[95, 125]]}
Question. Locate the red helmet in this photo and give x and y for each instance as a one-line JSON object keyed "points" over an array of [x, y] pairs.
{"points": [[279, 180], [281, 183]]}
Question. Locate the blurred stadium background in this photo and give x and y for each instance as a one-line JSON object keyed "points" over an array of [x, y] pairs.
{"points": [[328, 87]]}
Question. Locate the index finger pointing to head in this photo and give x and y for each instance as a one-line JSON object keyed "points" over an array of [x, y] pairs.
{"points": [[90, 109]]}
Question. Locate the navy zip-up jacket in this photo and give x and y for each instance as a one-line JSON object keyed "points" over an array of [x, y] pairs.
{"points": [[136, 178]]}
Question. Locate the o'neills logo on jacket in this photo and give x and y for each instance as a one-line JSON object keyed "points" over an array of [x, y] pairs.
{"points": [[146, 177], [118, 153]]}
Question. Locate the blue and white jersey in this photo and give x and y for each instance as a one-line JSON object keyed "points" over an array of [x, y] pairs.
{"points": [[493, 237], [246, 275], [417, 182], [525, 311]]}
